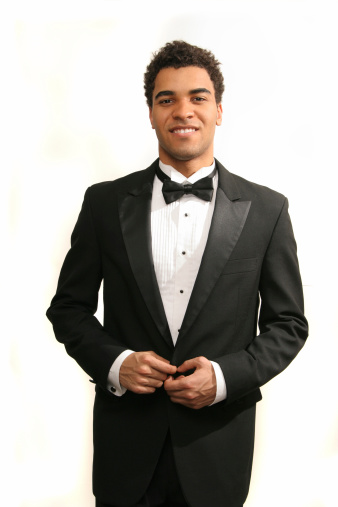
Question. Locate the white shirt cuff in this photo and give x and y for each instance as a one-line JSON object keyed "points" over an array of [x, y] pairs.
{"points": [[221, 388], [113, 382]]}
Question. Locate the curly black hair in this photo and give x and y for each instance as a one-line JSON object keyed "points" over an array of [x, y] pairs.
{"points": [[179, 54]]}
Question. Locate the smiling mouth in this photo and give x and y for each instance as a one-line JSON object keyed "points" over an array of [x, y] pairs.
{"points": [[183, 131]]}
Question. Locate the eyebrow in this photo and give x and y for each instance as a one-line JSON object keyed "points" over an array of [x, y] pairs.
{"points": [[166, 93]]}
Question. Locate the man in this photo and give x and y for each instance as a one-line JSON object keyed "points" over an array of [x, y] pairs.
{"points": [[189, 255]]}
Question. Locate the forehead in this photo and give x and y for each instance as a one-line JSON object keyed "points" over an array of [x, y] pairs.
{"points": [[183, 80]]}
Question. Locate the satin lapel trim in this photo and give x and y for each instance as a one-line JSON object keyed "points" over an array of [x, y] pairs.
{"points": [[226, 227], [134, 212]]}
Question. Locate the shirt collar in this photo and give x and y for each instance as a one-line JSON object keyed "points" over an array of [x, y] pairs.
{"points": [[175, 175]]}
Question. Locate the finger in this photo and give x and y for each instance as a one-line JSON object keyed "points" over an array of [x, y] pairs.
{"points": [[152, 353], [161, 365], [194, 404], [194, 363], [181, 401], [143, 390], [189, 364], [156, 375], [177, 385], [186, 398], [150, 373], [143, 385], [149, 382]]}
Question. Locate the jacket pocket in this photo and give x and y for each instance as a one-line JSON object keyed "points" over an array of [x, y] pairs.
{"points": [[240, 266]]}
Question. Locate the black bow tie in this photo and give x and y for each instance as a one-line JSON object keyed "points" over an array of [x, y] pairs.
{"points": [[172, 190]]}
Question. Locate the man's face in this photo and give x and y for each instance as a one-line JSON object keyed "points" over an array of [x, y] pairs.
{"points": [[184, 115]]}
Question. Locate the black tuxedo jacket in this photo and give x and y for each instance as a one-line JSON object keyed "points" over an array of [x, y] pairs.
{"points": [[249, 267]]}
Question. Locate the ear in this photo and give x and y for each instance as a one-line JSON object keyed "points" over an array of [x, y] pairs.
{"points": [[219, 115], [151, 117]]}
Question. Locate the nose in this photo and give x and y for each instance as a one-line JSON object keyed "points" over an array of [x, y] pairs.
{"points": [[183, 110]]}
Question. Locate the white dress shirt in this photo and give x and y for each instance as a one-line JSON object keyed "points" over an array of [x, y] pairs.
{"points": [[179, 233]]}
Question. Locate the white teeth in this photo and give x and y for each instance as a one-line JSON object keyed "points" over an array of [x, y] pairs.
{"points": [[183, 131]]}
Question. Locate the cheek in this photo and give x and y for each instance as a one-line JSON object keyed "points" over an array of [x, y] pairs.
{"points": [[155, 124]]}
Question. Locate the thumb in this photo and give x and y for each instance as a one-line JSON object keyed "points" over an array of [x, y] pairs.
{"points": [[189, 364]]}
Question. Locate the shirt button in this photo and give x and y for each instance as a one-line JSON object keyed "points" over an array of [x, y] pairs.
{"points": [[181, 291], [183, 253], [186, 214]]}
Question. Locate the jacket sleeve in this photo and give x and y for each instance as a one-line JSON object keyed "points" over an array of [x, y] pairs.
{"points": [[282, 324], [75, 302]]}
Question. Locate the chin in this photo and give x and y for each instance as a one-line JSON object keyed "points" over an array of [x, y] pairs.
{"points": [[184, 156]]}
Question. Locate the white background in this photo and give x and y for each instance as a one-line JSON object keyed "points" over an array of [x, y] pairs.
{"points": [[73, 113]]}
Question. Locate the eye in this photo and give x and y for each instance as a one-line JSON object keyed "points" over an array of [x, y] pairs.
{"points": [[165, 101], [199, 99]]}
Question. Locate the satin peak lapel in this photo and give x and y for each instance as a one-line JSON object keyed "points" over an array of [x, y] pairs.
{"points": [[226, 227], [134, 212]]}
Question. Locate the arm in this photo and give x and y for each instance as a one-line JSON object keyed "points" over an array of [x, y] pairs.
{"points": [[283, 327], [283, 330], [74, 305]]}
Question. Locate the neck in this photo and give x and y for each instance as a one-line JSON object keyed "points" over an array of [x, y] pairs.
{"points": [[187, 167]]}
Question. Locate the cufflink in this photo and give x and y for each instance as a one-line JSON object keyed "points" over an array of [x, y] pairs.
{"points": [[113, 389]]}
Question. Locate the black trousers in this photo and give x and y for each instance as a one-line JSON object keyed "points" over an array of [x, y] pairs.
{"points": [[164, 489]]}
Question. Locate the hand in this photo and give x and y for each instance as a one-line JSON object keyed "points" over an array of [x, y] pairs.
{"points": [[196, 390], [144, 372]]}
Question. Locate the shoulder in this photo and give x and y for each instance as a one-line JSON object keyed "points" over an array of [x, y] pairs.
{"points": [[238, 188], [257, 191], [128, 183], [122, 184]]}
